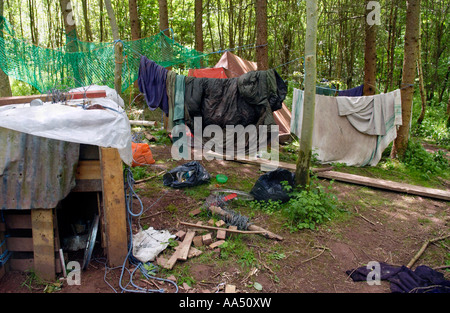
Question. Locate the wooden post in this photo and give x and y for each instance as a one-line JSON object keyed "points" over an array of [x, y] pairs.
{"points": [[43, 243], [114, 207]]}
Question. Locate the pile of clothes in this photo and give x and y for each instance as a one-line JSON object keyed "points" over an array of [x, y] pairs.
{"points": [[404, 280]]}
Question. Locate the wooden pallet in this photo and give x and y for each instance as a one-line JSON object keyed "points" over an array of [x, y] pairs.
{"points": [[33, 241]]}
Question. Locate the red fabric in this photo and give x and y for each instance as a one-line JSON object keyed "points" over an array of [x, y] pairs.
{"points": [[208, 73]]}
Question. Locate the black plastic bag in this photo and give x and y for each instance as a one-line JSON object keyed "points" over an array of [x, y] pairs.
{"points": [[187, 175], [269, 187]]}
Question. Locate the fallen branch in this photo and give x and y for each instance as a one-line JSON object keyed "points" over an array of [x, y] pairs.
{"points": [[423, 248], [221, 228], [148, 178], [316, 256], [362, 216]]}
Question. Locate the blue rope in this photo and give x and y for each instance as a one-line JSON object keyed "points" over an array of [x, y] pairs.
{"points": [[129, 195]]}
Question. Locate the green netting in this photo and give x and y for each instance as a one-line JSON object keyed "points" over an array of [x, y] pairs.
{"points": [[92, 63]]}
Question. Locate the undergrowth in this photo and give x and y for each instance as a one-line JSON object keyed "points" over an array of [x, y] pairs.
{"points": [[306, 209]]}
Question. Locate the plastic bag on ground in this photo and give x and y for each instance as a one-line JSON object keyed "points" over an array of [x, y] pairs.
{"points": [[142, 155], [269, 187], [147, 244], [187, 175]]}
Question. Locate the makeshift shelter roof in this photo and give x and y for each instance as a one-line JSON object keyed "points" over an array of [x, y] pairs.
{"points": [[235, 66], [229, 66]]}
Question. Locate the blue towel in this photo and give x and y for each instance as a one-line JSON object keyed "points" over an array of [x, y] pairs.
{"points": [[152, 83]]}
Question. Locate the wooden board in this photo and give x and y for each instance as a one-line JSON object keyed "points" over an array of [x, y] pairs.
{"points": [[43, 243], [186, 244], [73, 95], [360, 180], [182, 252], [386, 185], [20, 244], [114, 207], [88, 169]]}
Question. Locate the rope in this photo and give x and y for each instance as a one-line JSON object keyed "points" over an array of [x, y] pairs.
{"points": [[130, 286]]}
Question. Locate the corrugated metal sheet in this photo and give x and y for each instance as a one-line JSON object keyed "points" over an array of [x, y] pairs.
{"points": [[35, 172]]}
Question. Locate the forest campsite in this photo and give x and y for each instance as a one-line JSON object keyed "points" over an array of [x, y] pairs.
{"points": [[221, 148]]}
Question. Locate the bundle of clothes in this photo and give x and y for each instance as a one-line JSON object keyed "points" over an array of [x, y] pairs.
{"points": [[404, 280], [249, 99]]}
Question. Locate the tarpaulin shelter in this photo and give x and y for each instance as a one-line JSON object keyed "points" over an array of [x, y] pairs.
{"points": [[229, 66]]}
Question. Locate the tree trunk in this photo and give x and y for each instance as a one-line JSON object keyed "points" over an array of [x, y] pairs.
{"points": [[370, 57], [163, 17], [302, 178], [262, 58], [448, 112], [5, 87], [69, 25], [408, 76], [118, 48], [198, 25], [87, 25], [423, 94], [100, 3], [391, 46], [135, 25]]}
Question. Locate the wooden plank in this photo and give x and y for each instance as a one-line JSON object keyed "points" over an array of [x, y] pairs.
{"points": [[88, 169], [357, 179], [43, 243], [23, 265], [114, 207], [45, 97], [386, 185], [182, 252], [22, 244], [87, 185], [18, 221], [185, 245]]}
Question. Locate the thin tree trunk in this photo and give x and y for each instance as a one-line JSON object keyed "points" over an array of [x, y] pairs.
{"points": [[448, 112], [199, 25], [135, 25], [118, 48], [262, 58], [87, 25], [163, 17], [302, 178], [370, 57], [209, 26], [408, 76], [5, 87], [231, 41], [423, 94], [101, 20]]}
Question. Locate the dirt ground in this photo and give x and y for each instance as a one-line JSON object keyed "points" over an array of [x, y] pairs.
{"points": [[376, 226]]}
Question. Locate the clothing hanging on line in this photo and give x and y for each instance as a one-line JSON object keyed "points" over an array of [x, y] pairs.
{"points": [[335, 138]]}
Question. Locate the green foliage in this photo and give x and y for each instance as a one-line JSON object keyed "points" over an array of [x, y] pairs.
{"points": [[139, 172], [427, 164], [306, 208], [310, 207], [434, 125]]}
